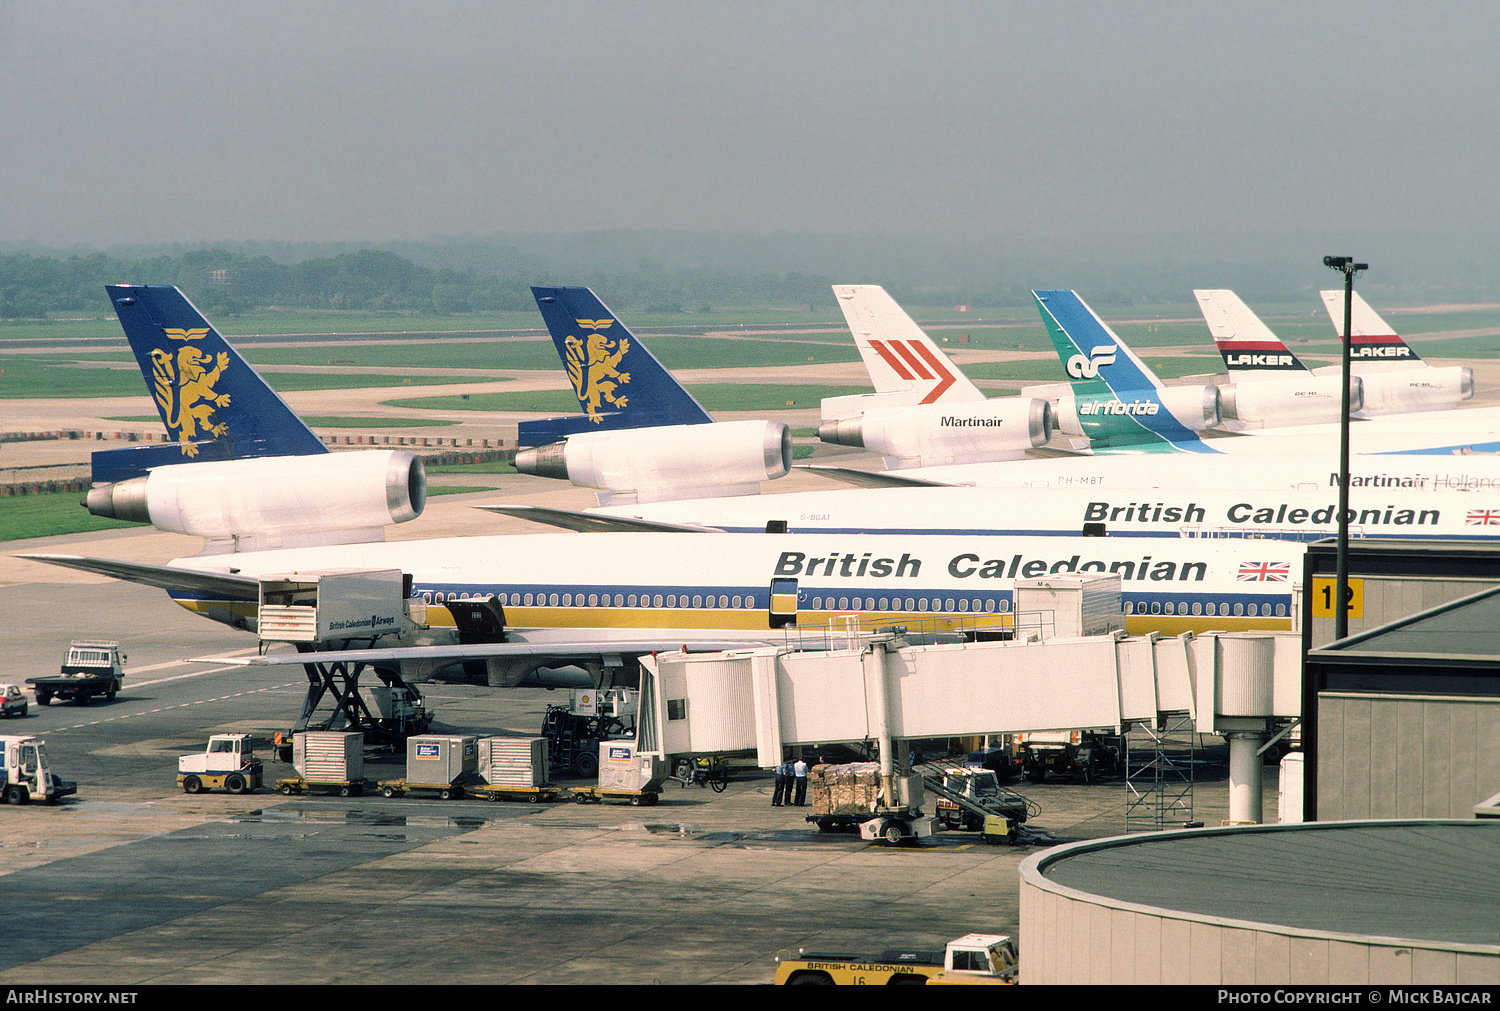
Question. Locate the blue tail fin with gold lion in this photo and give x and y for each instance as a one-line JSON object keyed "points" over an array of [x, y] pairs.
{"points": [[618, 382], [213, 404]]}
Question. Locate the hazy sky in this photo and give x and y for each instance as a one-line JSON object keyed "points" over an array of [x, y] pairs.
{"points": [[169, 121]]}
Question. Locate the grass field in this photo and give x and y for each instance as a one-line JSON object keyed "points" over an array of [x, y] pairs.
{"points": [[49, 515], [715, 398]]}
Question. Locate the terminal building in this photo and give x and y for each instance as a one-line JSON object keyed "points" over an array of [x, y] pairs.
{"points": [[1393, 877]]}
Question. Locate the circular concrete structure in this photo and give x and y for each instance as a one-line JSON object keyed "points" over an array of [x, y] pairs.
{"points": [[1387, 902]]}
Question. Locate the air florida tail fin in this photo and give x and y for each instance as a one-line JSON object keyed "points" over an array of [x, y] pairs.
{"points": [[905, 365], [1251, 351], [618, 382], [1117, 400], [1372, 341], [213, 404]]}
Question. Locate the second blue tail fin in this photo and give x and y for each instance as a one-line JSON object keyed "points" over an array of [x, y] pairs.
{"points": [[618, 382]]}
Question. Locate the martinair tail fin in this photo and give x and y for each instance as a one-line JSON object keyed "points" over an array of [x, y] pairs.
{"points": [[618, 382], [1373, 341], [906, 366], [213, 404], [1251, 351]]}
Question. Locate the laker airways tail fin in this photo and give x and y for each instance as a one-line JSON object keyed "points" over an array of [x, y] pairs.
{"points": [[1250, 350], [618, 382]]}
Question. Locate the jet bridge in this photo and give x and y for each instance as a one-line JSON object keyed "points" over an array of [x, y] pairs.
{"points": [[883, 688]]}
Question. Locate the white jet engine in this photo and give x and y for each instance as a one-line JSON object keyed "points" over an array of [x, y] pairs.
{"points": [[931, 435], [1274, 403], [273, 501], [669, 462], [1195, 408], [1409, 391]]}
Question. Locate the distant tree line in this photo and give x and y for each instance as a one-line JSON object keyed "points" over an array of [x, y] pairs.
{"points": [[228, 283]]}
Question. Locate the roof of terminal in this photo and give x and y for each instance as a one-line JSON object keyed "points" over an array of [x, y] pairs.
{"points": [[1433, 881]]}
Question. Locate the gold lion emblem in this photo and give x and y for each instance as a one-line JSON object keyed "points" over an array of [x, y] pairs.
{"points": [[594, 368], [183, 385]]}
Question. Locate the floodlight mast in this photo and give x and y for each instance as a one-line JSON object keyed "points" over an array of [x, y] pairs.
{"points": [[1346, 266]]}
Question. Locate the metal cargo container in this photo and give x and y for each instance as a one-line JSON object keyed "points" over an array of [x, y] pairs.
{"points": [[621, 767], [513, 761], [329, 756], [437, 761]]}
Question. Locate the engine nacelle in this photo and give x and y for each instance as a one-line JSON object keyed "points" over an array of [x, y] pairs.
{"points": [[274, 500], [931, 435], [1195, 408], [1297, 400], [1412, 390], [669, 462]]}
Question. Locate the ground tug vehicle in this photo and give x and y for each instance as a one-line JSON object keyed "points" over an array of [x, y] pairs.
{"points": [[26, 774], [971, 959], [228, 763], [90, 668]]}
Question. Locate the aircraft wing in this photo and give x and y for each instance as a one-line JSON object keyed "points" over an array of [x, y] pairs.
{"points": [[560, 650], [163, 577], [591, 523], [871, 478]]}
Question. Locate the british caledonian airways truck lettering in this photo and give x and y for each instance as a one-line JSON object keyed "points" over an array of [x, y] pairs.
{"points": [[968, 565]]}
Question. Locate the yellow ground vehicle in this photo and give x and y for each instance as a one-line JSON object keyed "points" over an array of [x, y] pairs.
{"points": [[971, 959]]}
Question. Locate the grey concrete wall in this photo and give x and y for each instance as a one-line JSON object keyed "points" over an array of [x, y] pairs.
{"points": [[1420, 756]]}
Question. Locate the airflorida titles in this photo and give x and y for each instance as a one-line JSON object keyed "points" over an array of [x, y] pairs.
{"points": [[971, 566]]}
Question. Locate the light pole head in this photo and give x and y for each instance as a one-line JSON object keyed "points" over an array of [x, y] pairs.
{"points": [[1344, 264]]}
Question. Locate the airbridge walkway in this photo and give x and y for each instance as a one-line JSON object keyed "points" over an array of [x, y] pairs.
{"points": [[882, 688]]}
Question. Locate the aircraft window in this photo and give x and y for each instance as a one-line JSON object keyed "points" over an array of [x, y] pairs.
{"points": [[724, 600], [656, 601], [567, 600], [1182, 607], [1252, 611], [439, 598], [552, 600], [671, 600], [869, 603], [843, 603], [989, 605], [1169, 608], [1281, 610], [963, 604], [737, 600], [1197, 607], [1239, 609], [1129, 607], [947, 604], [911, 605], [921, 603], [427, 598], [697, 600], [630, 600], [593, 599], [1156, 607], [1004, 606]]}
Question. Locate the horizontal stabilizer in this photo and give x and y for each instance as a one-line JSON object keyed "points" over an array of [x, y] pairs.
{"points": [[591, 523]]}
